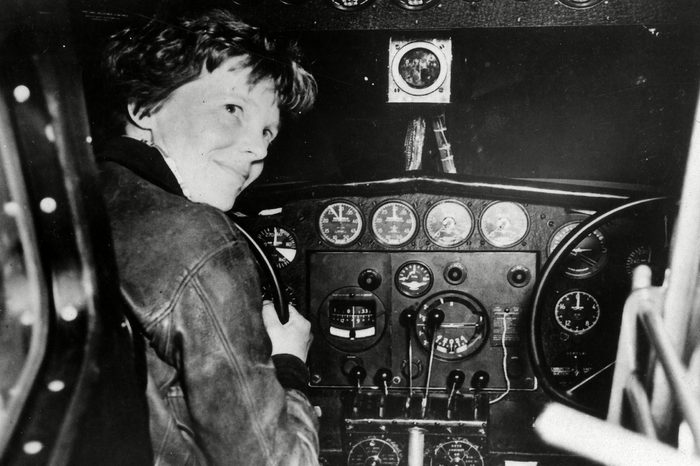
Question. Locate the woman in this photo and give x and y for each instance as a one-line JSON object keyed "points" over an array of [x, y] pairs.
{"points": [[201, 100]]}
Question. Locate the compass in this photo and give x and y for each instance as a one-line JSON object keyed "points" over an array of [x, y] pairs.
{"points": [[280, 245]]}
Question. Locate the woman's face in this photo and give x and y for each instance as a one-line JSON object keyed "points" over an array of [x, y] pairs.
{"points": [[217, 129]]}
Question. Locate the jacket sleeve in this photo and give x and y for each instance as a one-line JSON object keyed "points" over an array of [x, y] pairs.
{"points": [[213, 334]]}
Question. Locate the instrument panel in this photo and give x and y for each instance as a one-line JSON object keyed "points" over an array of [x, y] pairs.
{"points": [[422, 301]]}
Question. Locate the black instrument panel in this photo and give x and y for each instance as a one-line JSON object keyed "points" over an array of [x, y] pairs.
{"points": [[380, 261]]}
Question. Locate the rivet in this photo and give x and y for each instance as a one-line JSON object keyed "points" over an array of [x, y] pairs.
{"points": [[69, 313], [49, 133], [33, 447], [21, 93], [48, 205], [56, 386], [11, 209]]}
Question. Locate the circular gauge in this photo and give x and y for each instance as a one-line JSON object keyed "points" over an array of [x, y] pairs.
{"points": [[414, 279], [504, 224], [350, 5], [587, 258], [463, 331], [638, 256], [340, 223], [419, 68], [374, 451], [280, 245], [449, 223], [394, 223], [416, 4], [577, 312], [456, 452]]}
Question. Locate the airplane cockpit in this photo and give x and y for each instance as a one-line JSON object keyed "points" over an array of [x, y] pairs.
{"points": [[460, 217]]}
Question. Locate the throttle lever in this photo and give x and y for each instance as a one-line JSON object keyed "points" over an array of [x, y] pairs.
{"points": [[408, 319], [383, 379], [433, 320], [455, 380]]}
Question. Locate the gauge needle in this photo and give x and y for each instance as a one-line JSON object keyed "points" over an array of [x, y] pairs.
{"points": [[287, 253], [578, 302], [584, 258], [577, 250], [589, 378], [274, 238]]}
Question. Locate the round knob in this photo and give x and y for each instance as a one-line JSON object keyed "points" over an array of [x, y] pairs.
{"points": [[480, 380], [435, 318], [408, 317], [383, 377], [455, 380], [455, 273], [519, 276], [369, 279], [357, 375]]}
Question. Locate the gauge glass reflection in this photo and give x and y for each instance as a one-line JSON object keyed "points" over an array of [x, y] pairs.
{"points": [[280, 245], [350, 5], [504, 224], [414, 279], [340, 223], [416, 4], [449, 223], [587, 258], [577, 312], [394, 223]]}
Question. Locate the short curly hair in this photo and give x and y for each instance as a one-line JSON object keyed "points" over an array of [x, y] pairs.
{"points": [[146, 64]]}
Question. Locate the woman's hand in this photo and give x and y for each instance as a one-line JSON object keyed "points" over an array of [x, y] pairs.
{"points": [[293, 338]]}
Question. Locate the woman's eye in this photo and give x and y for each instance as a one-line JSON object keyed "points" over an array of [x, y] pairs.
{"points": [[233, 109]]}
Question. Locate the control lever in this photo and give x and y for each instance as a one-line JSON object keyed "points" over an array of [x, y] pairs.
{"points": [[433, 321], [408, 319], [357, 375], [455, 380], [383, 379], [479, 381]]}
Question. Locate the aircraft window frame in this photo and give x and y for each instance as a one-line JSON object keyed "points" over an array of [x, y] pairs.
{"points": [[17, 206]]}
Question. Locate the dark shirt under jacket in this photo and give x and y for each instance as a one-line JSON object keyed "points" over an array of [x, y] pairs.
{"points": [[188, 275]]}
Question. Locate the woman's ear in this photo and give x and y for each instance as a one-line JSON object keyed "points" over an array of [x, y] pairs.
{"points": [[140, 117]]}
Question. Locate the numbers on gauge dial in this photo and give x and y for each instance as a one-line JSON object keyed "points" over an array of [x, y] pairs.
{"points": [[394, 223], [374, 451], [280, 244], [456, 452], [587, 258], [340, 223], [448, 223], [577, 312], [414, 279]]}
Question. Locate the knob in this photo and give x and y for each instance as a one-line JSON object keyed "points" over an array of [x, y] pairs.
{"points": [[369, 279], [480, 380], [455, 273], [434, 319], [357, 375], [455, 380], [519, 276], [408, 317], [383, 377]]}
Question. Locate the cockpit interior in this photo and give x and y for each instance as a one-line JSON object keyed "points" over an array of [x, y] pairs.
{"points": [[459, 217]]}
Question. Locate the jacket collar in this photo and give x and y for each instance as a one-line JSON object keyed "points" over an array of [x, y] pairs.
{"points": [[144, 160]]}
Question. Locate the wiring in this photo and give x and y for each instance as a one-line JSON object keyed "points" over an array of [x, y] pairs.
{"points": [[505, 362]]}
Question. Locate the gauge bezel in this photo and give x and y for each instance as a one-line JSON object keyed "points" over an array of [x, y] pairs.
{"points": [[342, 7], [513, 243], [424, 6], [291, 234], [378, 237], [360, 229], [413, 45], [426, 227], [402, 267], [550, 246], [577, 332], [592, 271]]}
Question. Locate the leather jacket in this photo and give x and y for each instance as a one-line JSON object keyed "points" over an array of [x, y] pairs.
{"points": [[214, 393]]}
